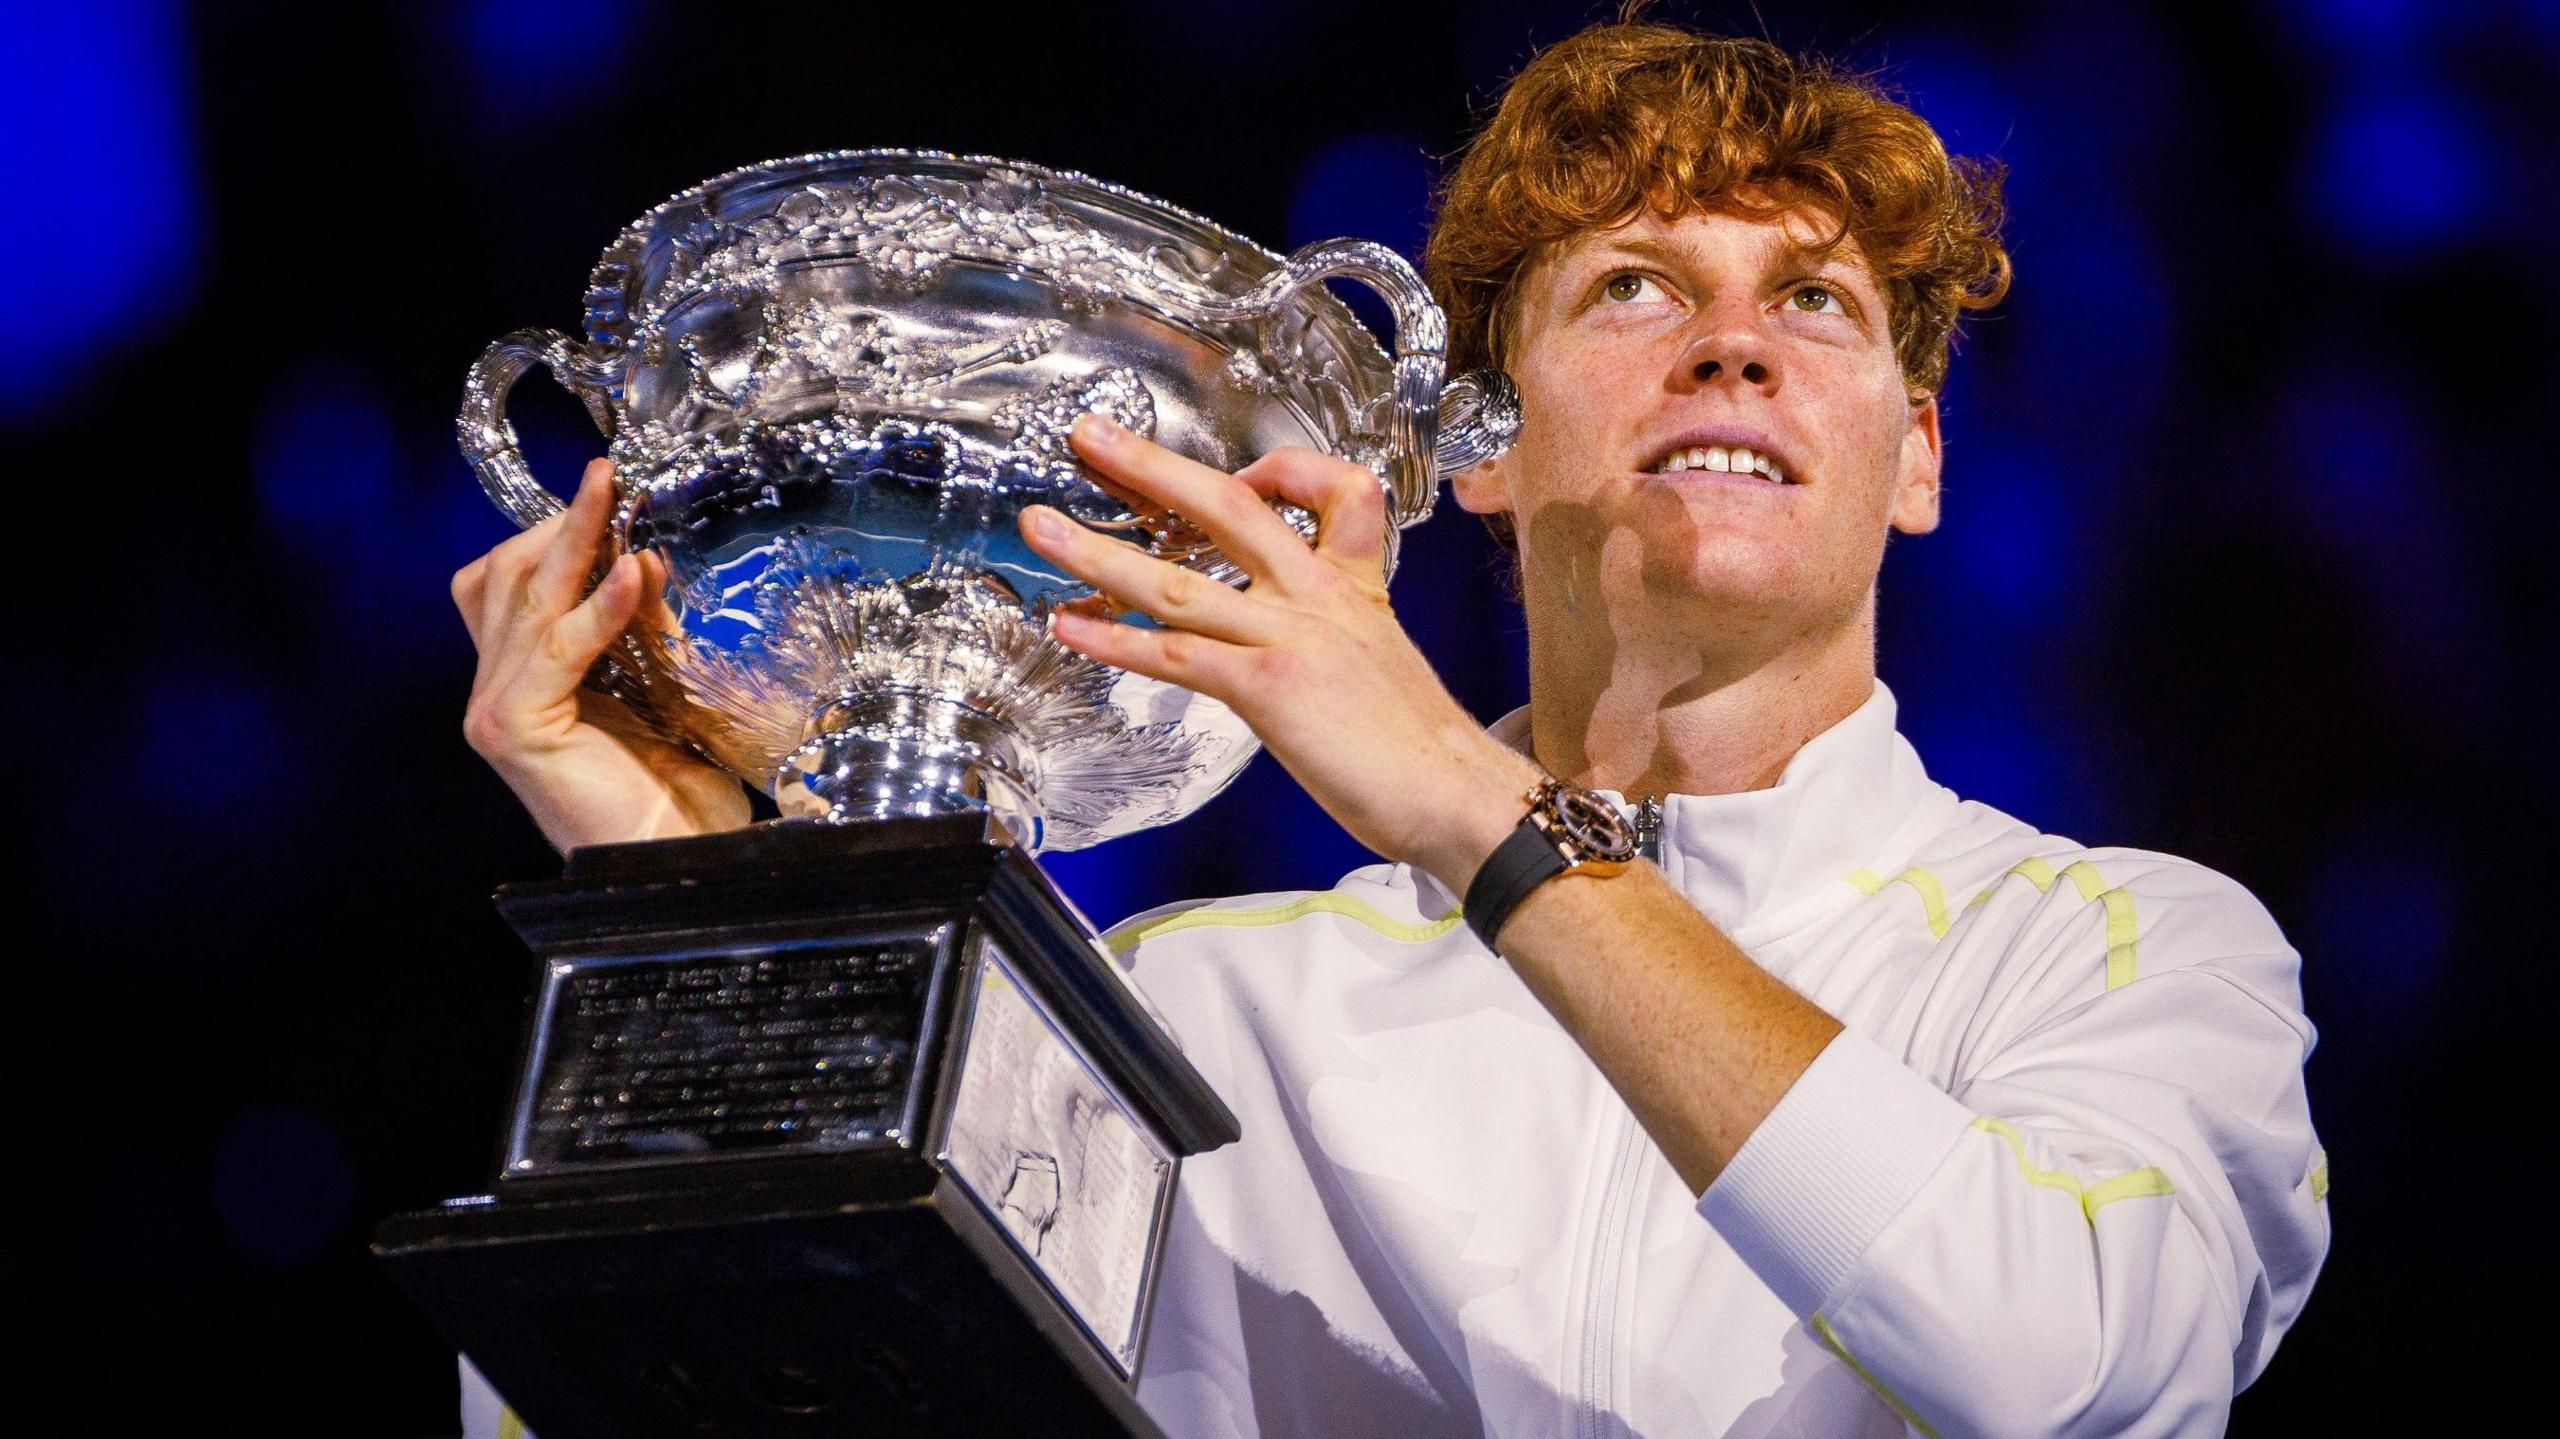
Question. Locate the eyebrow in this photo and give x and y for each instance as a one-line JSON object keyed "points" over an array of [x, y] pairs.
{"points": [[1790, 253]]}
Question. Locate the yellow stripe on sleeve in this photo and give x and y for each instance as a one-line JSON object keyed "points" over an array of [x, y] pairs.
{"points": [[1933, 898], [2121, 930], [1130, 936], [1823, 1331], [2132, 1184], [2033, 870]]}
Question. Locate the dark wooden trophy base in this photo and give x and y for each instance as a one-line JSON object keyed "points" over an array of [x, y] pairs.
{"points": [[831, 1271]]}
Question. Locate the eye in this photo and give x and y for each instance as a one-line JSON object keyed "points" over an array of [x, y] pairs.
{"points": [[1814, 299], [1628, 286]]}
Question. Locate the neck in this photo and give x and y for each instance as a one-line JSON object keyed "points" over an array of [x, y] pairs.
{"points": [[1651, 710]]}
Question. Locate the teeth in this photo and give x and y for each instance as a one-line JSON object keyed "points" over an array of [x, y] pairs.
{"points": [[1738, 460]]}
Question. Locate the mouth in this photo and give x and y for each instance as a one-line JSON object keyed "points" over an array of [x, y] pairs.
{"points": [[1739, 460]]}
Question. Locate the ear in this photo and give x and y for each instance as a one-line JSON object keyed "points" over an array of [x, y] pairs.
{"points": [[1915, 485], [1484, 488]]}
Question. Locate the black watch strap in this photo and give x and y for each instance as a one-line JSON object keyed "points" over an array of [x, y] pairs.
{"points": [[1524, 860]]}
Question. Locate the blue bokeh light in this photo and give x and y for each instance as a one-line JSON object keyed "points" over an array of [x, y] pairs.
{"points": [[2093, 317], [1979, 737], [1371, 186], [2398, 173], [2366, 481], [2007, 531], [282, 1184], [532, 61], [2378, 30], [2387, 911], [1118, 878], [325, 458], [381, 521], [211, 748], [2363, 470], [2542, 20], [1964, 97], [104, 225]]}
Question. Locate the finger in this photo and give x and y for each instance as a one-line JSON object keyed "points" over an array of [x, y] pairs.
{"points": [[1196, 662], [536, 576], [653, 590], [1167, 593], [505, 562], [1349, 504], [570, 558], [556, 666], [1230, 514], [510, 566], [469, 584]]}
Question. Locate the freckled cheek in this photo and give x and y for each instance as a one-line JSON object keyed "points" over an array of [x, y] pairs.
{"points": [[1583, 411]]}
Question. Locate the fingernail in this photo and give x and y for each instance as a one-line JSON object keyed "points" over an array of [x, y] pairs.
{"points": [[1100, 428], [1045, 523]]}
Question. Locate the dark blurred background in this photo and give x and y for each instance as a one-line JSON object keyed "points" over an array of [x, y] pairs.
{"points": [[2235, 565]]}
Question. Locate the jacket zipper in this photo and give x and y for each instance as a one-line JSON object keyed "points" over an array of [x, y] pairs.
{"points": [[1600, 1319], [1617, 1197], [1649, 828]]}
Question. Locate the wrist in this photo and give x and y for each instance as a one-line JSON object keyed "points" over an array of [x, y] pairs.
{"points": [[1481, 810], [1567, 830]]}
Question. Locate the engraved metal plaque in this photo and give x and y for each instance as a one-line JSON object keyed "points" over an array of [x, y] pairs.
{"points": [[725, 1053], [1055, 1158]]}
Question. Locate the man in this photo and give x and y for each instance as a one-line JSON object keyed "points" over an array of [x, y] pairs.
{"points": [[1851, 1106]]}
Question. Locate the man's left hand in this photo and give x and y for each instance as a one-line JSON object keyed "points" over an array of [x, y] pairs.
{"points": [[1311, 655]]}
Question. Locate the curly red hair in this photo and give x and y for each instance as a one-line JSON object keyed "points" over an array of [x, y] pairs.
{"points": [[1625, 118]]}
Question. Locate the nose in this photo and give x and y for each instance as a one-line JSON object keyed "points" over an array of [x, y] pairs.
{"points": [[1729, 345]]}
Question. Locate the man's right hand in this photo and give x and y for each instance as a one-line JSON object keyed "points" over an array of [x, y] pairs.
{"points": [[584, 765]]}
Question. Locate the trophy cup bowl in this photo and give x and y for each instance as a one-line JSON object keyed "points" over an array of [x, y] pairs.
{"points": [[830, 385]]}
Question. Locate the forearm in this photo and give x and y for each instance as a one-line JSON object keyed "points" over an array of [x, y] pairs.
{"points": [[1699, 1040]]}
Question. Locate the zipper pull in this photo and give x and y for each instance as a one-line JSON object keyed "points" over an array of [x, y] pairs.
{"points": [[1649, 828]]}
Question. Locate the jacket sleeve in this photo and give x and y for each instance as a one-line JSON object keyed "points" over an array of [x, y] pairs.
{"points": [[2100, 1223]]}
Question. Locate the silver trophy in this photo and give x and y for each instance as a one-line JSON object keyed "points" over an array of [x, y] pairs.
{"points": [[829, 385], [832, 383]]}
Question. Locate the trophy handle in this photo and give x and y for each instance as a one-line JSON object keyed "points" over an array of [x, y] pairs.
{"points": [[1479, 418], [1481, 410], [489, 440]]}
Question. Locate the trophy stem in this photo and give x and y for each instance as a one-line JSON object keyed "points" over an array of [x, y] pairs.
{"points": [[899, 754]]}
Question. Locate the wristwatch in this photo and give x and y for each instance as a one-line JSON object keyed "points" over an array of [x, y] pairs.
{"points": [[1567, 828]]}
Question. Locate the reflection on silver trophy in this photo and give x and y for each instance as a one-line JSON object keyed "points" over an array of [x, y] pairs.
{"points": [[830, 386]]}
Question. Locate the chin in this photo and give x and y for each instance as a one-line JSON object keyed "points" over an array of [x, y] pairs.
{"points": [[1725, 573]]}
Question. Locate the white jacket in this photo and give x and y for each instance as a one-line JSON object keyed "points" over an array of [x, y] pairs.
{"points": [[2056, 1177]]}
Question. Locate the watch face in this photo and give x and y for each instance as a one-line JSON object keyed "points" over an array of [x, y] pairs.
{"points": [[1595, 830]]}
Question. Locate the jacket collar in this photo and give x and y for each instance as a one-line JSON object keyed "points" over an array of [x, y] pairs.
{"points": [[1764, 863]]}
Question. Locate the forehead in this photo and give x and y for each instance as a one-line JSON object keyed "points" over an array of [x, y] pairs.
{"points": [[1793, 237]]}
